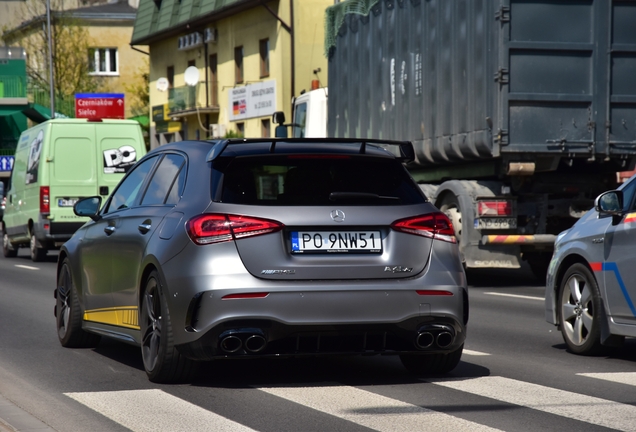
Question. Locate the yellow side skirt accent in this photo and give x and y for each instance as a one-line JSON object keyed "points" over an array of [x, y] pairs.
{"points": [[126, 316]]}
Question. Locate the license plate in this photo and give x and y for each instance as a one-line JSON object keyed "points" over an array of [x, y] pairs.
{"points": [[66, 202], [336, 242], [496, 223]]}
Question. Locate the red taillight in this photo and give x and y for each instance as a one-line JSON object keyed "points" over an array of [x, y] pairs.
{"points": [[494, 208], [215, 228], [245, 296], [433, 225], [45, 199], [434, 293]]}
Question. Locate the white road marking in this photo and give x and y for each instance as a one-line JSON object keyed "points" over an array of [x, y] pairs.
{"points": [[515, 296], [584, 408], [474, 353], [628, 378], [27, 267], [373, 411], [154, 410]]}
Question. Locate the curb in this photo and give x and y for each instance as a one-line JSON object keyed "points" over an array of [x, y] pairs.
{"points": [[15, 419]]}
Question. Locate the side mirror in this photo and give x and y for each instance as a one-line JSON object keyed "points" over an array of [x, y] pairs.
{"points": [[610, 203], [278, 117], [88, 207]]}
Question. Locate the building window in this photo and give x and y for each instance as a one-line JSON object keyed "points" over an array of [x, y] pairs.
{"points": [[240, 127], [103, 61], [266, 128], [214, 81], [170, 76], [238, 65], [192, 63], [264, 51]]}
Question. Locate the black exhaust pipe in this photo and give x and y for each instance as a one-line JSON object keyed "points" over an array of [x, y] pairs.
{"points": [[231, 344], [255, 343], [444, 339], [424, 340]]}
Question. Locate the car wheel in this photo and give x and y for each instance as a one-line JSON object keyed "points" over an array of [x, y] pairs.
{"points": [[432, 364], [37, 253], [579, 307], [162, 362], [8, 250], [68, 313]]}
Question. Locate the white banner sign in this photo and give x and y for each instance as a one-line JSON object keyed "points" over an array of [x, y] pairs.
{"points": [[252, 100]]}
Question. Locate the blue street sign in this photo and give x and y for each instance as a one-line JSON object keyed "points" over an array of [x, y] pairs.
{"points": [[6, 163]]}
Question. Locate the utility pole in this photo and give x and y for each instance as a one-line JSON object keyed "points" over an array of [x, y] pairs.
{"points": [[50, 42]]}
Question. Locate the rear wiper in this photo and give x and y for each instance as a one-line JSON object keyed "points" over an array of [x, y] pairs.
{"points": [[339, 196]]}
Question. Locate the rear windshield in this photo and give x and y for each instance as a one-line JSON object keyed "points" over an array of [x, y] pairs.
{"points": [[317, 180]]}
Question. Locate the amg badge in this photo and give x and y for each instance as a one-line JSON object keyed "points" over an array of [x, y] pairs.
{"points": [[398, 269], [275, 272]]}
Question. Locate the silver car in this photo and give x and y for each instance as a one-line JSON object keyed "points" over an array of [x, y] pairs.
{"points": [[266, 248], [590, 289]]}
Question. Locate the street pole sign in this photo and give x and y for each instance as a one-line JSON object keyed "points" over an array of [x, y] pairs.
{"points": [[99, 105], [6, 163]]}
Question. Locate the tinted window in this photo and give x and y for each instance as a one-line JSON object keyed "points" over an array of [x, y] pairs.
{"points": [[163, 180], [318, 180], [128, 190], [628, 195]]}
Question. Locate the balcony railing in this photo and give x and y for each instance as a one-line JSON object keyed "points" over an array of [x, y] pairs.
{"points": [[182, 99], [12, 86], [63, 105]]}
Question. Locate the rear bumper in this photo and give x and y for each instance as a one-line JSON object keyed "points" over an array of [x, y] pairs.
{"points": [[267, 338]]}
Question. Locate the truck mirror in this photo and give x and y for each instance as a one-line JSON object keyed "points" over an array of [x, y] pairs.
{"points": [[278, 118]]}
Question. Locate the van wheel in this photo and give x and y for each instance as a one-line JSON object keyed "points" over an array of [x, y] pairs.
{"points": [[37, 253], [7, 248]]}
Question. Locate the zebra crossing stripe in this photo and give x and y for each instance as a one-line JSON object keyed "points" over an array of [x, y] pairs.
{"points": [[628, 378], [584, 408], [155, 410], [373, 411]]}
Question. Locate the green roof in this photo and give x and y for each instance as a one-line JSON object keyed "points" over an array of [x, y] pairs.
{"points": [[157, 19]]}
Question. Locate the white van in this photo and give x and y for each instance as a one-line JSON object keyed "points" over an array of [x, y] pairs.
{"points": [[57, 163]]}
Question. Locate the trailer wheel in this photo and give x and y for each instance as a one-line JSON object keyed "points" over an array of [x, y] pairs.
{"points": [[450, 207]]}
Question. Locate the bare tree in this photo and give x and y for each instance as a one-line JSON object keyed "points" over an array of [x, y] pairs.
{"points": [[70, 47]]}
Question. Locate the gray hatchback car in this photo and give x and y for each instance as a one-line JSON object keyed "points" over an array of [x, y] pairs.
{"points": [[590, 290], [213, 250]]}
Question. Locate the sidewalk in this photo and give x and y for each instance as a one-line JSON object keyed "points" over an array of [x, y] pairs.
{"points": [[14, 419]]}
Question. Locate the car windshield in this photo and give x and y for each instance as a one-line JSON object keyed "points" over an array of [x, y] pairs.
{"points": [[318, 179]]}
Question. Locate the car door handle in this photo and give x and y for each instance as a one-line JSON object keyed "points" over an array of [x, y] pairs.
{"points": [[144, 228], [109, 230]]}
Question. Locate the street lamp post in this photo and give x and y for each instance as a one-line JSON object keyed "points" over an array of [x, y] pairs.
{"points": [[51, 82]]}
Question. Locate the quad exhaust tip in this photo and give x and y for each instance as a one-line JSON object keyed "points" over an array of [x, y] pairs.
{"points": [[251, 340], [438, 335]]}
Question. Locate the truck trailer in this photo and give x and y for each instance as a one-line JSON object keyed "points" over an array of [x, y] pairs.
{"points": [[521, 111]]}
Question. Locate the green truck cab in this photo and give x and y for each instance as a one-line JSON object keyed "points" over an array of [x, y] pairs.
{"points": [[57, 163]]}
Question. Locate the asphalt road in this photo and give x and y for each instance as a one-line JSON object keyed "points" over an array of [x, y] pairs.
{"points": [[515, 375]]}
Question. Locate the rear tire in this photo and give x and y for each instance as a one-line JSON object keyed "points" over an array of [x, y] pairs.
{"points": [[8, 250], [162, 361], [432, 364], [68, 313], [38, 254]]}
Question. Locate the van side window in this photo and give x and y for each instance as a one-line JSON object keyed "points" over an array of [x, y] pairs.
{"points": [[163, 180], [128, 190]]}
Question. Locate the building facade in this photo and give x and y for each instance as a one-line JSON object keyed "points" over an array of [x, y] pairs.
{"points": [[110, 57], [222, 67]]}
